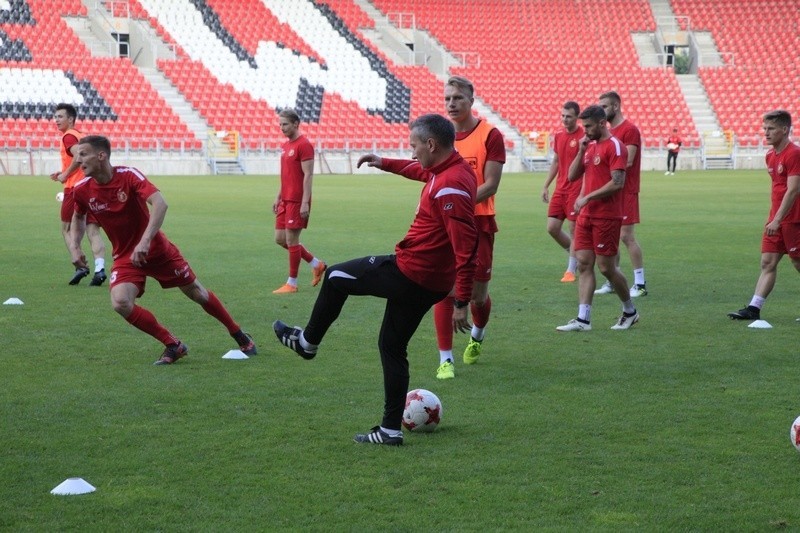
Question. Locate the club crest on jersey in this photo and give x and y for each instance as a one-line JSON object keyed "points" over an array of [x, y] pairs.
{"points": [[573, 143], [780, 168], [121, 196], [291, 153], [596, 160]]}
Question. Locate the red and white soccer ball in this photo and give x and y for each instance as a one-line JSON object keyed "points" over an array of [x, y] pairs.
{"points": [[59, 197], [423, 411], [794, 433]]}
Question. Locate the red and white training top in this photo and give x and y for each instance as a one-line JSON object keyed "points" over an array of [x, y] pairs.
{"points": [[120, 206], [438, 251], [599, 160]]}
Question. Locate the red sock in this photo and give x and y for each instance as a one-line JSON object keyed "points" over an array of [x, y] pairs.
{"points": [[480, 315], [144, 320], [305, 254], [443, 321], [215, 308], [295, 253]]}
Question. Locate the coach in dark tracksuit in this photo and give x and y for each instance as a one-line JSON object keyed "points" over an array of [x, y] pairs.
{"points": [[437, 253]]}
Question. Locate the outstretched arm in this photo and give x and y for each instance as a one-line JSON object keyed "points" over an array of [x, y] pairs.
{"points": [[407, 168]]}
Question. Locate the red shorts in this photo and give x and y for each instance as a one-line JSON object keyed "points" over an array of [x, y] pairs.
{"points": [[68, 207], [630, 208], [485, 255], [288, 216], [601, 235], [787, 241], [562, 205], [169, 269]]}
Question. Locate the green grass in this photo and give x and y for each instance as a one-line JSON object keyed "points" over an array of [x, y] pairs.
{"points": [[678, 424]]}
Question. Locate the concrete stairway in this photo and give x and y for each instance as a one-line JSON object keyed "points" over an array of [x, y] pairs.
{"points": [[694, 93]]}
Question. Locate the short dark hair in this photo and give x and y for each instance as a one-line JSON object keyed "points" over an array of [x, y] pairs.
{"points": [[781, 117], [573, 106], [461, 83], [289, 113], [611, 95], [593, 112], [436, 127], [69, 108], [98, 142]]}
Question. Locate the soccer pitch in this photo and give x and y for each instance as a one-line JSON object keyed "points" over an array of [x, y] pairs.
{"points": [[680, 423]]}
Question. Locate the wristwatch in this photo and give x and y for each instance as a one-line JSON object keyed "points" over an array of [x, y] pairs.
{"points": [[460, 304]]}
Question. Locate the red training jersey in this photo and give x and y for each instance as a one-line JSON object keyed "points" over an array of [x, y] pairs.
{"points": [[439, 249], [599, 159], [628, 133], [120, 206], [293, 153], [780, 166], [565, 146], [674, 139]]}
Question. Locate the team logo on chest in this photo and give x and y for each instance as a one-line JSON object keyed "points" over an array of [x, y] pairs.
{"points": [[121, 196], [596, 160], [573, 143], [780, 168], [291, 153], [95, 206]]}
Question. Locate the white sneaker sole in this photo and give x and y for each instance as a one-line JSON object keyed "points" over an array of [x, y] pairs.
{"points": [[574, 327]]}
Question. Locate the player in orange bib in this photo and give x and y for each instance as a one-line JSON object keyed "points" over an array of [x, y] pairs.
{"points": [[483, 147], [71, 174]]}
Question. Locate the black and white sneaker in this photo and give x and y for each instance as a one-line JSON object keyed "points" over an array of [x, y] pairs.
{"points": [[290, 337], [80, 273], [98, 278], [746, 313], [626, 321], [377, 436]]}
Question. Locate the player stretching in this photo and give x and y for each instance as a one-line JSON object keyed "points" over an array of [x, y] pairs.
{"points": [[119, 198]]}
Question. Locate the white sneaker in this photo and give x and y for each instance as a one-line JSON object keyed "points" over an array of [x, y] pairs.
{"points": [[606, 288], [638, 290], [666, 173], [626, 322], [575, 325]]}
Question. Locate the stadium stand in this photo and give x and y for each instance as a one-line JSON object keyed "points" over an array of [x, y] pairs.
{"points": [[112, 96], [236, 63], [761, 41], [514, 70]]}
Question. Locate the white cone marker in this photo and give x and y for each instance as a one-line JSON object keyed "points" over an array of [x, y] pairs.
{"points": [[73, 486], [235, 354]]}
